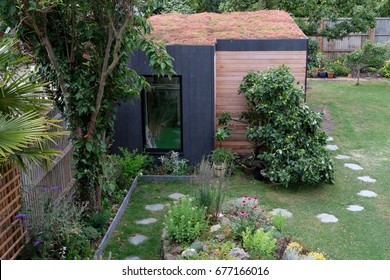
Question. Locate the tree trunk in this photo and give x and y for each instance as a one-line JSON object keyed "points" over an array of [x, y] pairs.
{"points": [[358, 76]]}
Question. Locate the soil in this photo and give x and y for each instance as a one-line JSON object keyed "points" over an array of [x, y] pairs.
{"points": [[206, 28], [327, 123]]}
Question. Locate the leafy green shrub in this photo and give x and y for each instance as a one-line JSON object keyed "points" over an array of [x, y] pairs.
{"points": [[312, 54], [260, 244], [99, 220], [279, 221], [370, 55], [286, 132], [171, 164], [133, 163], [339, 69], [222, 155], [111, 175], [184, 221], [385, 70]]}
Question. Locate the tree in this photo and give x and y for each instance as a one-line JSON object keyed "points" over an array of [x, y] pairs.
{"points": [[361, 14], [373, 55], [24, 129], [84, 46]]}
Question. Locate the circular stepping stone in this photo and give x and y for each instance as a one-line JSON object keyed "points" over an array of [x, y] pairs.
{"points": [[327, 218], [146, 221], [155, 207], [215, 228], [176, 196], [342, 157], [367, 193], [132, 258], [355, 208], [329, 139], [353, 166], [137, 239], [284, 212], [367, 179], [331, 147]]}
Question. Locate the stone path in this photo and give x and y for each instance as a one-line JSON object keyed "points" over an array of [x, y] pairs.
{"points": [[328, 218], [139, 239], [284, 212]]}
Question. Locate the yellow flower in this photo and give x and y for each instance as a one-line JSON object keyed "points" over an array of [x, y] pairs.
{"points": [[317, 256], [295, 245]]}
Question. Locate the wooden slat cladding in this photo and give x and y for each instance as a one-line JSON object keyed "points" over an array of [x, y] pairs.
{"points": [[231, 67]]}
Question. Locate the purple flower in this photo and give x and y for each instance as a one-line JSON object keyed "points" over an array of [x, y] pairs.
{"points": [[20, 216], [37, 242], [56, 187], [45, 188], [25, 223]]}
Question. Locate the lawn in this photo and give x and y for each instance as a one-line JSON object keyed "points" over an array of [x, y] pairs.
{"points": [[359, 125]]}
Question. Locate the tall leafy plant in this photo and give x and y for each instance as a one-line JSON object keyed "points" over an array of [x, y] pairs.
{"points": [[84, 46], [286, 133], [24, 129]]}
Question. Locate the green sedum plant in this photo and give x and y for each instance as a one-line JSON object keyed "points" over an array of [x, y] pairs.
{"points": [[185, 221], [260, 244], [285, 131]]}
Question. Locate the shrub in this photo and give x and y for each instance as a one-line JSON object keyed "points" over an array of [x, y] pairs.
{"points": [[184, 221], [279, 221], [339, 69], [285, 131], [260, 244], [60, 232], [171, 164], [178, 6], [312, 54], [385, 70], [211, 198], [133, 163], [245, 215], [111, 175], [370, 55], [222, 155]]}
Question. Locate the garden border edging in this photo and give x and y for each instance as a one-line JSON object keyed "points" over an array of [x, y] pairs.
{"points": [[153, 178]]}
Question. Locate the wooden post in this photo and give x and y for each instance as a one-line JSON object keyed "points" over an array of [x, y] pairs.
{"points": [[372, 35], [320, 38]]}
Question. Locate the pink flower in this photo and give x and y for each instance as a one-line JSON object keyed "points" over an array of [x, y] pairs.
{"points": [[243, 202], [262, 210], [245, 196], [255, 198], [249, 198], [255, 207], [263, 219], [242, 213]]}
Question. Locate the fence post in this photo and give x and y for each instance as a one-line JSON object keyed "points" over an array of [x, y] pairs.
{"points": [[320, 38], [372, 35]]}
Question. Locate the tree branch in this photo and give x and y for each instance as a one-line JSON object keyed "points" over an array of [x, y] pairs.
{"points": [[107, 69]]}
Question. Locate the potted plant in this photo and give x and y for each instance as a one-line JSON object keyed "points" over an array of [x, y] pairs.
{"points": [[223, 160], [330, 72]]}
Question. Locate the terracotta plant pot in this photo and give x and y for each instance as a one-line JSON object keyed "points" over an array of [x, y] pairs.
{"points": [[330, 75]]}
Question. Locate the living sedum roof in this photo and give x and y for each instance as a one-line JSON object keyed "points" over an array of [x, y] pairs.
{"points": [[206, 28]]}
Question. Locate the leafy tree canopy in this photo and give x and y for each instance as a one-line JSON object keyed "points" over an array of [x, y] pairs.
{"points": [[84, 46]]}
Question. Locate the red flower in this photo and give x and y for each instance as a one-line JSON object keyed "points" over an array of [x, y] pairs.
{"points": [[262, 210], [245, 196], [255, 207], [255, 198]]}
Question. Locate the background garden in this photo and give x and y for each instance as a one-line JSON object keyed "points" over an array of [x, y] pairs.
{"points": [[82, 52]]}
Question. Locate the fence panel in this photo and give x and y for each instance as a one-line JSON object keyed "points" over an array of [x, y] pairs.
{"points": [[12, 231], [380, 34]]}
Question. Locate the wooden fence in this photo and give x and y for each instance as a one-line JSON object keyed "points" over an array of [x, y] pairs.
{"points": [[28, 191], [379, 34], [12, 231]]}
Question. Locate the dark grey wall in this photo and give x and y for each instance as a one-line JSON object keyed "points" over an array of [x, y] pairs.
{"points": [[196, 66]]}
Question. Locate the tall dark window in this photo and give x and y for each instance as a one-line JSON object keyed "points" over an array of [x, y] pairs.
{"points": [[162, 114]]}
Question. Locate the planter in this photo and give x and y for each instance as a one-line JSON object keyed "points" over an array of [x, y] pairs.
{"points": [[248, 170], [330, 75], [322, 74], [219, 169]]}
